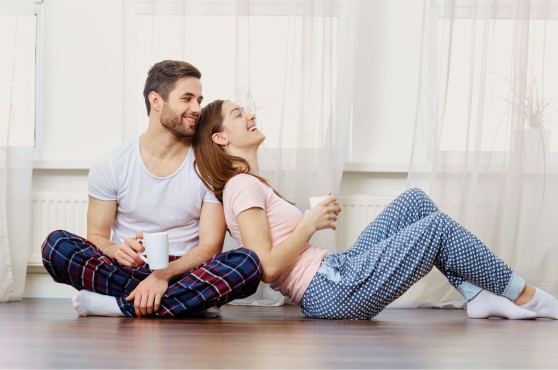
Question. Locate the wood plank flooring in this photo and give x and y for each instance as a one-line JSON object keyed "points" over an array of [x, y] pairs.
{"points": [[46, 333]]}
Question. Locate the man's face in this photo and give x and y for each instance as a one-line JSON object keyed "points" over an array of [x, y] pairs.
{"points": [[180, 114]]}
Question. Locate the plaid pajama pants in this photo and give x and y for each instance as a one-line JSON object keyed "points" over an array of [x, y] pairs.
{"points": [[71, 259]]}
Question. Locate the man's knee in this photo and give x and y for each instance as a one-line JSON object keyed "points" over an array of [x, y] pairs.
{"points": [[248, 262], [251, 257], [53, 241]]}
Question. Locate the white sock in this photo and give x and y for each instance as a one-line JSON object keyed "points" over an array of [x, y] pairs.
{"points": [[487, 304], [211, 312], [95, 304], [543, 304]]}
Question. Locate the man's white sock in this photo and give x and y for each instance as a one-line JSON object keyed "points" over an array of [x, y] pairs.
{"points": [[487, 304], [88, 303], [211, 312], [543, 304]]}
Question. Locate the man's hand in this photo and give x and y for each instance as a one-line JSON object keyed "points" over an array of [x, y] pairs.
{"points": [[147, 295], [126, 253]]}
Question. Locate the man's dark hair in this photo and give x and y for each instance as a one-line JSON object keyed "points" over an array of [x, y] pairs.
{"points": [[162, 77]]}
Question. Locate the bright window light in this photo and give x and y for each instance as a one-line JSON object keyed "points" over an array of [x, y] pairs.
{"points": [[17, 73]]}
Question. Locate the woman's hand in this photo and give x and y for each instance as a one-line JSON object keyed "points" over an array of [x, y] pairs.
{"points": [[323, 215]]}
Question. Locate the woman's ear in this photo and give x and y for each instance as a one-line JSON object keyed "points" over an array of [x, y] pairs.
{"points": [[219, 139]]}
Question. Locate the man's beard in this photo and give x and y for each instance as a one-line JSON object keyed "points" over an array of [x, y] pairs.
{"points": [[173, 123]]}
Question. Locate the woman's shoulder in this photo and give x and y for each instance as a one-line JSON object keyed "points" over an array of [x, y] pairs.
{"points": [[243, 178], [243, 189]]}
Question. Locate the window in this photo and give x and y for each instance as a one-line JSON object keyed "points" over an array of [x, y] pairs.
{"points": [[483, 55], [18, 42], [207, 35]]}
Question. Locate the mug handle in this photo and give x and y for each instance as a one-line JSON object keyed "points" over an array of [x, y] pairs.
{"points": [[142, 256]]}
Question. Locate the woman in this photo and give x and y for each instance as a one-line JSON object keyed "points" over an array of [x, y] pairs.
{"points": [[396, 250]]}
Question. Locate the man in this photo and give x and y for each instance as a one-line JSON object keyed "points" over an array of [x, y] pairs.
{"points": [[149, 184]]}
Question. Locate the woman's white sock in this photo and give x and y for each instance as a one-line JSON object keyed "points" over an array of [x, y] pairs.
{"points": [[543, 304], [487, 304], [88, 303]]}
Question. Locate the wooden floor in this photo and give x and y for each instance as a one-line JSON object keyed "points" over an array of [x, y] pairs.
{"points": [[46, 333]]}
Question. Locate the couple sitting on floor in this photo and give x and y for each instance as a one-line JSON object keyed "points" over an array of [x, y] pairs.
{"points": [[194, 174]]}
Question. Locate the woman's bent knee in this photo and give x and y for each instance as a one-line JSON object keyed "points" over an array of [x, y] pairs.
{"points": [[417, 193]]}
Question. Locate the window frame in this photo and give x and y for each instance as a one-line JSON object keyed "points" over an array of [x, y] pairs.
{"points": [[10, 7]]}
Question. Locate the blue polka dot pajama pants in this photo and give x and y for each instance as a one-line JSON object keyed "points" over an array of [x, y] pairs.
{"points": [[396, 250]]}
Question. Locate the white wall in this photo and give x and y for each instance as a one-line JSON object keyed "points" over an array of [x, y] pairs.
{"points": [[387, 79]]}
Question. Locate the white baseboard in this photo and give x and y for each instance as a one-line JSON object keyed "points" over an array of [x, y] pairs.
{"points": [[41, 285]]}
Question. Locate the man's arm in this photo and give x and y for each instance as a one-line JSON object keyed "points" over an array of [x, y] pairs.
{"points": [[212, 235], [100, 217]]}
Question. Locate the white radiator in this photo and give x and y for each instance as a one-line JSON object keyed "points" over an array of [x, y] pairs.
{"points": [[68, 211], [357, 212], [56, 210]]}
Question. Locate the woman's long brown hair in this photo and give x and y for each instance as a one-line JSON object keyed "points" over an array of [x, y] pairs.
{"points": [[213, 165]]}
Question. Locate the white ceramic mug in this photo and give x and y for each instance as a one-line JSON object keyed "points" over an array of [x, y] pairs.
{"points": [[324, 238], [314, 201], [156, 250]]}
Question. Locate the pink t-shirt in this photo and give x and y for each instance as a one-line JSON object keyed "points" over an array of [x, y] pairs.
{"points": [[245, 191]]}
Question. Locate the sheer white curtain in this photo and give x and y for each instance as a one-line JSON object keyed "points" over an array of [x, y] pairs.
{"points": [[276, 58], [16, 153], [484, 145]]}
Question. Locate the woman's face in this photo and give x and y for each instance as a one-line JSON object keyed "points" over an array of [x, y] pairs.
{"points": [[239, 127]]}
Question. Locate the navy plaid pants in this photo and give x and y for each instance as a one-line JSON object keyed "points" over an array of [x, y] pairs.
{"points": [[73, 260]]}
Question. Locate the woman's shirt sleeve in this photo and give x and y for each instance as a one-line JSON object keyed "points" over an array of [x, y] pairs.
{"points": [[244, 192]]}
